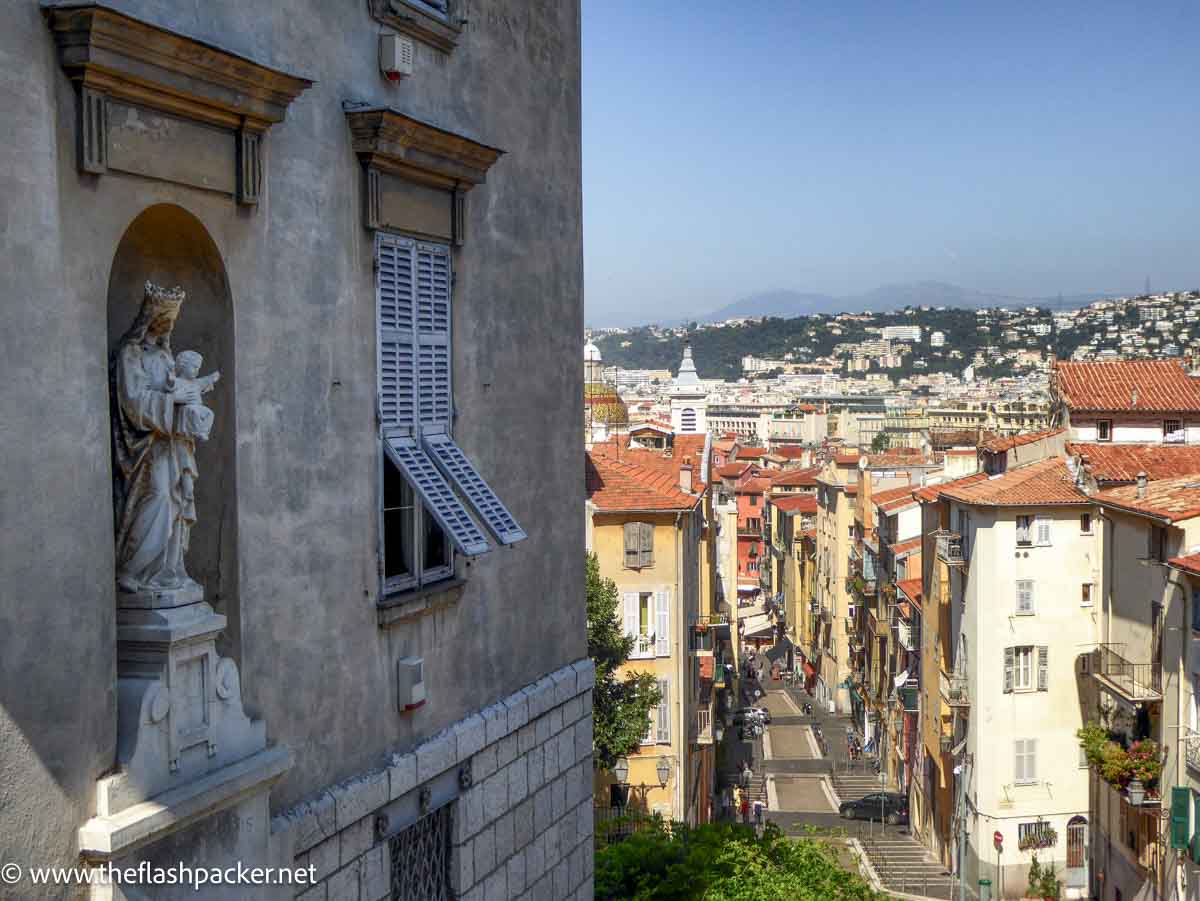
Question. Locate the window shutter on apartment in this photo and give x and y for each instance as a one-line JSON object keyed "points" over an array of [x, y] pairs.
{"points": [[1024, 596], [433, 334], [1008, 670], [631, 614], [395, 309], [458, 469], [663, 732], [1043, 529], [646, 540], [437, 496], [1043, 668], [633, 544], [1181, 809], [662, 623]]}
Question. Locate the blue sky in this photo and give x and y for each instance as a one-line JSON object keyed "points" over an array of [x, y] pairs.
{"points": [[736, 147]]}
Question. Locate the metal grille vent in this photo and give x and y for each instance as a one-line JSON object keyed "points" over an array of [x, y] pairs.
{"points": [[421, 859]]}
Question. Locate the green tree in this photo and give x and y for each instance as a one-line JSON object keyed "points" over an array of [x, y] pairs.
{"points": [[723, 862], [620, 707], [879, 443]]}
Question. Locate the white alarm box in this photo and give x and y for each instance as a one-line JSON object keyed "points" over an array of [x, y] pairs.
{"points": [[410, 682], [395, 56]]}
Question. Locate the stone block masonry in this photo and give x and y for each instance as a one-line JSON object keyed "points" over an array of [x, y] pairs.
{"points": [[520, 806]]}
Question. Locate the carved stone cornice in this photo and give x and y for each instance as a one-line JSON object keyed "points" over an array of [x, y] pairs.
{"points": [[114, 58], [410, 19], [394, 142]]}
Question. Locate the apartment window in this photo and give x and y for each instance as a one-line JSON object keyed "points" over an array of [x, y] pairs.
{"points": [[1104, 430], [648, 622], [1024, 531], [1076, 842], [1156, 544], [1038, 833], [1196, 609], [1024, 597], [1025, 761], [1023, 669], [639, 544], [420, 858], [754, 499], [427, 482], [1085, 524], [1026, 668], [1173, 431], [1085, 594]]}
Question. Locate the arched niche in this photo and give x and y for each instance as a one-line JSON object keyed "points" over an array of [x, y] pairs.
{"points": [[169, 246]]}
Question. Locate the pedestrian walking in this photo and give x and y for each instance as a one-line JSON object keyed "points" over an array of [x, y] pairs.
{"points": [[745, 810], [758, 813]]}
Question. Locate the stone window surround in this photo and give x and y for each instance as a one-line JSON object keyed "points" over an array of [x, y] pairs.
{"points": [[547, 723], [421, 23]]}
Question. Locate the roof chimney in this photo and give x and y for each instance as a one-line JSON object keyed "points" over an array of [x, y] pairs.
{"points": [[1141, 485], [685, 475], [1134, 397]]}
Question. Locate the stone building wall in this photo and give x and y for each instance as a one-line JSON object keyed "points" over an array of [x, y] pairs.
{"points": [[522, 828]]}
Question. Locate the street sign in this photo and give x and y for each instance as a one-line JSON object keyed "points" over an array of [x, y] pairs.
{"points": [[998, 840]]}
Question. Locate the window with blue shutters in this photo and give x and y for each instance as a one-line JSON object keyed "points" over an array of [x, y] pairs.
{"points": [[434, 499]]}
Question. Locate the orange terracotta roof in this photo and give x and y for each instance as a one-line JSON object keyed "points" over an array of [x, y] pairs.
{"points": [[1169, 499], [796, 503], [851, 488], [911, 588], [620, 485], [732, 470], [893, 499], [751, 453], [1131, 386], [846, 459], [796, 478], [754, 486], [962, 452], [932, 492], [1000, 445], [652, 425], [1122, 462], [1044, 483], [1189, 563], [906, 546]]}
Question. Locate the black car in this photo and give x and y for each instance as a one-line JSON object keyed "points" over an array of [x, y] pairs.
{"points": [[892, 806], [759, 714]]}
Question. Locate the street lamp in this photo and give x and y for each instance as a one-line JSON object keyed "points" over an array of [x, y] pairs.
{"points": [[664, 771], [621, 770]]}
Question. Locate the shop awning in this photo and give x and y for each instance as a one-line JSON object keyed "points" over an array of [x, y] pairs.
{"points": [[757, 626]]}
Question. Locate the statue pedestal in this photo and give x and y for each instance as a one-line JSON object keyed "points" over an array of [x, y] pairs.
{"points": [[186, 751]]}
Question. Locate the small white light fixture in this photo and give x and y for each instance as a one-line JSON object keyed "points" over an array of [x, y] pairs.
{"points": [[410, 683]]}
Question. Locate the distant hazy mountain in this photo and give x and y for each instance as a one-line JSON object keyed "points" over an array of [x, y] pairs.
{"points": [[788, 304]]}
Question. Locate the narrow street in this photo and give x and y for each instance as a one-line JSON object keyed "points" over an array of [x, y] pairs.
{"points": [[804, 787]]}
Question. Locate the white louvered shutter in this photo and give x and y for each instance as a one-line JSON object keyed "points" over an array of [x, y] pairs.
{"points": [[631, 614], [662, 623], [395, 306], [437, 496], [1043, 676], [458, 469], [1025, 596], [433, 336], [1043, 529], [647, 543], [664, 712], [1008, 669]]}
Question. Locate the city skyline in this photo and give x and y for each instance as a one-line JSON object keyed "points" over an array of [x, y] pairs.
{"points": [[964, 146]]}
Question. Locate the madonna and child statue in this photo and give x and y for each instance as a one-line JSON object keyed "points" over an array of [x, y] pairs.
{"points": [[157, 419]]}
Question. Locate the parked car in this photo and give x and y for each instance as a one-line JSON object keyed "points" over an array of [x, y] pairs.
{"points": [[759, 714], [893, 806]]}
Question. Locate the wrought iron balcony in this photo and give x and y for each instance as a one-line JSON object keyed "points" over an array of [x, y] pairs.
{"points": [[702, 731], [709, 619], [1191, 748], [949, 547], [908, 634], [954, 690], [1136, 682]]}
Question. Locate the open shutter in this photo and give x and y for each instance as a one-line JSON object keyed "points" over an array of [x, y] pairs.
{"points": [[647, 543], [437, 496], [633, 544], [1043, 668], [1181, 804], [662, 623], [395, 304], [631, 614], [1008, 670], [664, 712], [1043, 529], [1031, 759], [1195, 844], [458, 469], [433, 336]]}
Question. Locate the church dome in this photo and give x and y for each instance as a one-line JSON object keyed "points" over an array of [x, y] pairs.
{"points": [[591, 353]]}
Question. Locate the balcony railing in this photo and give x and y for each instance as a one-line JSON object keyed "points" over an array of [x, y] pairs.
{"points": [[703, 732], [908, 634], [949, 547], [643, 646], [1137, 682], [954, 690], [709, 619]]}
